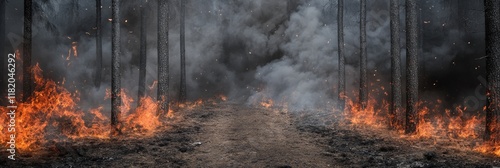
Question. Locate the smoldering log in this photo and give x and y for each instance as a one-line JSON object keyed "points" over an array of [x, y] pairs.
{"points": [[26, 55], [363, 86], [163, 73], [411, 66], [115, 64], [492, 21], [183, 91], [142, 54], [396, 92], [98, 68], [340, 33]]}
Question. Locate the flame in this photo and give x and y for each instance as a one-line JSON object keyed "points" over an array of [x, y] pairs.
{"points": [[74, 48], [190, 105], [434, 123], [73, 51], [368, 116], [267, 103], [153, 85], [222, 97], [53, 114], [144, 118]]}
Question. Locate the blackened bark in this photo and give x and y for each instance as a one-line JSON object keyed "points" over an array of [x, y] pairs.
{"points": [[98, 70], [183, 93], [492, 20], [3, 70], [396, 93], [340, 34], [115, 70], [163, 73], [28, 24], [412, 66], [363, 86], [142, 55]]}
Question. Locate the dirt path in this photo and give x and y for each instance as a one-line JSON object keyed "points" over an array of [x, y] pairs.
{"points": [[234, 135], [240, 136]]}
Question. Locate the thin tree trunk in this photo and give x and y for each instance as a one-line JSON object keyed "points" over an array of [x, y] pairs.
{"points": [[28, 23], [492, 20], [163, 73], [142, 55], [363, 92], [115, 70], [2, 49], [183, 94], [98, 70], [340, 33], [395, 65], [412, 66]]}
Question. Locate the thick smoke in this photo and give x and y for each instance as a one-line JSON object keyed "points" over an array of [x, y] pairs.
{"points": [[257, 50]]}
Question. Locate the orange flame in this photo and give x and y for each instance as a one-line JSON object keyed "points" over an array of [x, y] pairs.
{"points": [[267, 103], [52, 114]]}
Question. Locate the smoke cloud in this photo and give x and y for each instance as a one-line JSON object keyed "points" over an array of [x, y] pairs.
{"points": [[257, 50]]}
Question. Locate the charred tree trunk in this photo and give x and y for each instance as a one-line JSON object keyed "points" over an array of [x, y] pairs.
{"points": [[3, 70], [183, 93], [142, 55], [412, 66], [163, 73], [395, 65], [115, 70], [28, 23], [340, 33], [98, 70], [363, 92], [492, 20]]}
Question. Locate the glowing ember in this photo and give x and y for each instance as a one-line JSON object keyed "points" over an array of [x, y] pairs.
{"points": [[267, 103]]}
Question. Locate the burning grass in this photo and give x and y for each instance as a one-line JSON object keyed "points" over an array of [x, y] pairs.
{"points": [[440, 126], [53, 115]]}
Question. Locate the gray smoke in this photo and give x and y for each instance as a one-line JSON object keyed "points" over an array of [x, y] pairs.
{"points": [[257, 50]]}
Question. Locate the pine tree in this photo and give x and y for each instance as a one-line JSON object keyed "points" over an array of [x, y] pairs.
{"points": [[395, 64], [183, 93], [363, 92], [98, 70], [492, 20], [142, 54], [26, 55], [2, 48], [412, 66], [115, 70], [163, 73], [340, 33]]}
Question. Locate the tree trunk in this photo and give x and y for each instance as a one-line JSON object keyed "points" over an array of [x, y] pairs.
{"points": [[115, 70], [183, 93], [412, 66], [163, 74], [395, 65], [142, 55], [98, 70], [28, 23], [363, 92], [3, 70], [340, 34], [492, 20]]}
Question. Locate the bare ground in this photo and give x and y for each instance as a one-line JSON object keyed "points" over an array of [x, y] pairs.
{"points": [[233, 135]]}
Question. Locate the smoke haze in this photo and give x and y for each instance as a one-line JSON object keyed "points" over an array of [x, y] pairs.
{"points": [[257, 50]]}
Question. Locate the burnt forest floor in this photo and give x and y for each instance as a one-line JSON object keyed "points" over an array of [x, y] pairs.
{"points": [[234, 135]]}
